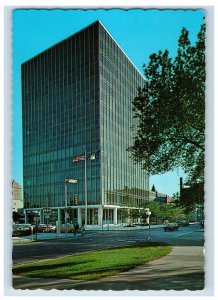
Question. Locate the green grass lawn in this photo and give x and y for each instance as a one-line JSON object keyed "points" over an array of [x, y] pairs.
{"points": [[94, 265]]}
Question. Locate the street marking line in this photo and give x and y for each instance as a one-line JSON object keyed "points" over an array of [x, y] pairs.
{"points": [[185, 233]]}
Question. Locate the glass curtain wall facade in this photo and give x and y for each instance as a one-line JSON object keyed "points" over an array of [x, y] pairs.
{"points": [[76, 98], [123, 182]]}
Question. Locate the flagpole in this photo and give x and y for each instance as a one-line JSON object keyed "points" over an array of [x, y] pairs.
{"points": [[86, 202]]}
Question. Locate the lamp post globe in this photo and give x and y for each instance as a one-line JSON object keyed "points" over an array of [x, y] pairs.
{"points": [[148, 214]]}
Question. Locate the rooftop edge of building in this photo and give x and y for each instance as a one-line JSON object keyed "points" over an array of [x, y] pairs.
{"points": [[61, 41], [77, 32]]}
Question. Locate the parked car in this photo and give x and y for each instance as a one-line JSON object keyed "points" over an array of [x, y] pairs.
{"points": [[70, 229], [21, 229], [171, 227], [50, 228], [46, 228], [183, 223]]}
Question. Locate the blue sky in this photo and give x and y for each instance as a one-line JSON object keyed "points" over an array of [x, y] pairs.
{"points": [[138, 32]]}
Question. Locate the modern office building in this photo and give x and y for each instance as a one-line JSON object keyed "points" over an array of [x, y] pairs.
{"points": [[77, 124]]}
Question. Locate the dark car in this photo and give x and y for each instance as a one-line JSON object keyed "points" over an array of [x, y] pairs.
{"points": [[171, 227]]}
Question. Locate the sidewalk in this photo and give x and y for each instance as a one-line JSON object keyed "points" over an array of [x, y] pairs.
{"points": [[182, 269]]}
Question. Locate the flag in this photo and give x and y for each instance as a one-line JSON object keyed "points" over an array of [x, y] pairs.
{"points": [[94, 155], [79, 158]]}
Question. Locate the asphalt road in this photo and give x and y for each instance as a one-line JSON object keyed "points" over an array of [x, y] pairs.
{"points": [[93, 240]]}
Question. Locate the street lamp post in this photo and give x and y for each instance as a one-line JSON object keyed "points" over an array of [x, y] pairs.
{"points": [[148, 214], [67, 180]]}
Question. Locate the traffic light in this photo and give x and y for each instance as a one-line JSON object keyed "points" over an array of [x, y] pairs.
{"points": [[75, 200]]}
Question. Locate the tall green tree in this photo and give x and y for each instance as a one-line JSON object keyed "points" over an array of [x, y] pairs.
{"points": [[191, 196], [170, 111]]}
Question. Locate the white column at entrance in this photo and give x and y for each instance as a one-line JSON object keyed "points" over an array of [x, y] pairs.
{"points": [[79, 213], [115, 215], [41, 213], [58, 223], [100, 215], [25, 216], [128, 219]]}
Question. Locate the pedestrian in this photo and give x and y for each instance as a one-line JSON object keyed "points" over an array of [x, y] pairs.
{"points": [[77, 226], [82, 229]]}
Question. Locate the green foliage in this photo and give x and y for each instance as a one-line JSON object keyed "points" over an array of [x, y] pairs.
{"points": [[191, 196], [155, 209], [173, 213], [129, 214], [94, 265], [161, 212], [16, 216], [124, 213], [170, 111]]}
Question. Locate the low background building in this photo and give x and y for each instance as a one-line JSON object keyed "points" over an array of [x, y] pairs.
{"points": [[17, 198], [160, 198]]}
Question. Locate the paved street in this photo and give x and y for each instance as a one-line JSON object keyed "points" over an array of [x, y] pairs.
{"points": [[92, 240], [182, 269]]}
